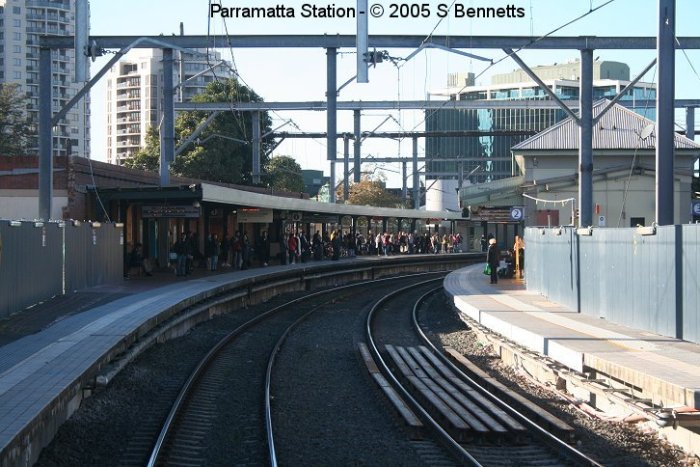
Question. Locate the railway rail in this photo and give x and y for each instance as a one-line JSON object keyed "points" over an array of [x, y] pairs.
{"points": [[475, 424], [241, 364], [313, 402]]}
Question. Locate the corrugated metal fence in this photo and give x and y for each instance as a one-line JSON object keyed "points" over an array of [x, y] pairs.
{"points": [[40, 260], [644, 279]]}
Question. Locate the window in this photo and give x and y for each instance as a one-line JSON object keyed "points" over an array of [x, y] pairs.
{"points": [[18, 49], [17, 10], [18, 75], [17, 23], [17, 62]]}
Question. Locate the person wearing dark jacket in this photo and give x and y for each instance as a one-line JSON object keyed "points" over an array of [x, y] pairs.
{"points": [[492, 258]]}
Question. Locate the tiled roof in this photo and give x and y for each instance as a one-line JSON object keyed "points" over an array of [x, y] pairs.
{"points": [[619, 128]]}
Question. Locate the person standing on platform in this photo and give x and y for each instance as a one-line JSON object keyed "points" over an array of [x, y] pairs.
{"points": [[292, 246], [215, 252], [225, 248], [183, 251], [493, 258], [519, 252], [264, 248], [245, 251], [317, 246]]}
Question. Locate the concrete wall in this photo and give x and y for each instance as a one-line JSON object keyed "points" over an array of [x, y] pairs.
{"points": [[649, 282]]}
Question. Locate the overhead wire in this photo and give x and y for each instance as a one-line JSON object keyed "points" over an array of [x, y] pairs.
{"points": [[508, 55]]}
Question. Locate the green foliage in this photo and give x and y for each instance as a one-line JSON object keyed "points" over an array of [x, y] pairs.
{"points": [[284, 173], [217, 158], [15, 129], [220, 158], [147, 158]]}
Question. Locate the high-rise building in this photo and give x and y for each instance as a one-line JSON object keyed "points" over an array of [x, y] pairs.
{"points": [[490, 156], [22, 22], [134, 94]]}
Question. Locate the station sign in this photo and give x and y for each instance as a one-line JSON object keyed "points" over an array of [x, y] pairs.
{"points": [[311, 218], [695, 208], [517, 213], [160, 211], [254, 215]]}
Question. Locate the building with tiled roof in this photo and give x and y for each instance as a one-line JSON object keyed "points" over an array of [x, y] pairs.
{"points": [[624, 178]]}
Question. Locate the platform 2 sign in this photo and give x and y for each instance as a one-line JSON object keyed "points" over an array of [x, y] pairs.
{"points": [[171, 211], [695, 208]]}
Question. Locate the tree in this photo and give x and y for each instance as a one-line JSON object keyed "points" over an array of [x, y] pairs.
{"points": [[15, 128], [148, 158], [284, 173], [221, 158], [372, 192]]}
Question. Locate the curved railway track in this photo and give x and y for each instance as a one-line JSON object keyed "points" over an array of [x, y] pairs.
{"points": [[474, 423], [239, 368]]}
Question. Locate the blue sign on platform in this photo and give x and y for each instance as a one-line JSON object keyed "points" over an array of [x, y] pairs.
{"points": [[695, 207], [517, 213]]}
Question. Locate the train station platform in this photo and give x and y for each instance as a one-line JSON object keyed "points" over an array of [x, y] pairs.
{"points": [[50, 353], [55, 353], [655, 371]]}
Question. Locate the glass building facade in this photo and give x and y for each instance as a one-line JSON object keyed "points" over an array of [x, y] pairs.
{"points": [[448, 156]]}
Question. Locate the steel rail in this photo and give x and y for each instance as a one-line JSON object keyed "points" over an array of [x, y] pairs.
{"points": [[206, 361], [445, 437], [568, 451]]}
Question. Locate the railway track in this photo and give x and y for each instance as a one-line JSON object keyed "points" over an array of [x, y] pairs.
{"points": [[475, 424], [234, 381]]}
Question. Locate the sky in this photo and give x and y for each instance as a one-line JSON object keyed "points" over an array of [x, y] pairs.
{"points": [[285, 74]]}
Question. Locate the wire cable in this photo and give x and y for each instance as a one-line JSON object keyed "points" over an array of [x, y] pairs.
{"points": [[529, 44]]}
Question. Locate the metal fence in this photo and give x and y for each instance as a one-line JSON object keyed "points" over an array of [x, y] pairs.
{"points": [[41, 259], [642, 278]]}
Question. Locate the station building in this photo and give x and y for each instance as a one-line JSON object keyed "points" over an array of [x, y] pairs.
{"points": [[487, 163], [624, 178], [155, 215]]}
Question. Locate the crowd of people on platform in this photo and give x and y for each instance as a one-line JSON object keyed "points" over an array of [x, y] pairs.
{"points": [[239, 252]]}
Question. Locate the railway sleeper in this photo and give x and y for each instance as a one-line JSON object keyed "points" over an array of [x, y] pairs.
{"points": [[461, 421], [410, 419], [544, 418], [486, 411]]}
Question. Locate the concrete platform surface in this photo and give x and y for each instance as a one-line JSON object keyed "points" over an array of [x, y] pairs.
{"points": [[666, 370]]}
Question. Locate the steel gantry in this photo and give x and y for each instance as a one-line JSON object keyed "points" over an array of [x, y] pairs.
{"points": [[585, 44]]}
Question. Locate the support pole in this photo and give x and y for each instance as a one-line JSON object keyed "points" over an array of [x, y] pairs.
{"points": [[357, 144], [45, 135], [585, 155], [167, 130], [167, 148], [404, 177], [255, 122], [361, 42], [416, 178], [331, 114], [690, 123], [664, 112], [331, 191], [346, 168]]}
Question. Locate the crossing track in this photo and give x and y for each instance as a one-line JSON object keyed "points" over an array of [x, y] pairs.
{"points": [[474, 424]]}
